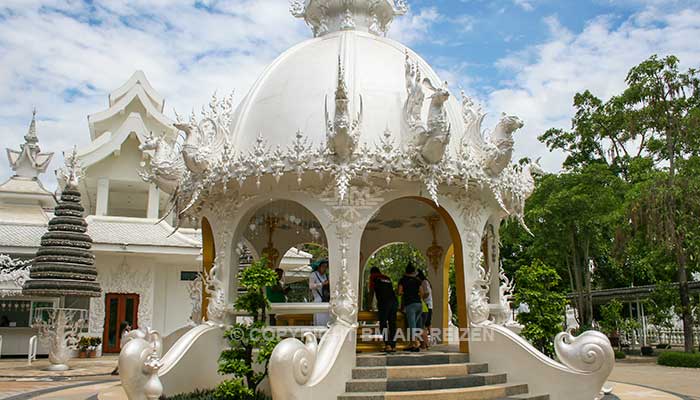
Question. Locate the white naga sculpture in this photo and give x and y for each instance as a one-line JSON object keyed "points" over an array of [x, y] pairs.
{"points": [[430, 139], [139, 362]]}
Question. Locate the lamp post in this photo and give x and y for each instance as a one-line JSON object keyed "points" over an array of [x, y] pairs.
{"points": [[63, 266]]}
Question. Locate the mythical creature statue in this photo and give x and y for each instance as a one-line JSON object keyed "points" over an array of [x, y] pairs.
{"points": [[503, 315], [194, 289], [139, 362], [216, 309], [342, 135], [204, 138], [500, 149], [430, 139], [166, 165], [520, 181], [496, 153], [479, 301]]}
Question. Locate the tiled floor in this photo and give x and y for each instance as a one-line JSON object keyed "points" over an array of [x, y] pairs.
{"points": [[630, 381]]}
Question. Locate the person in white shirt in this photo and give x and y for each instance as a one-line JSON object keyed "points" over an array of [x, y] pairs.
{"points": [[320, 289]]}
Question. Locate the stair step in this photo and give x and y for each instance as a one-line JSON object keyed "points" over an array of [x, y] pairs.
{"points": [[418, 371], [498, 391], [435, 383], [427, 358], [526, 397]]}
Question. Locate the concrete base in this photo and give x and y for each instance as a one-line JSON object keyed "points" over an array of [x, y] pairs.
{"points": [[58, 367]]}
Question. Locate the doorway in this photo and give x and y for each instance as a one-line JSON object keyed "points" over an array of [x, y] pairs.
{"points": [[119, 308]]}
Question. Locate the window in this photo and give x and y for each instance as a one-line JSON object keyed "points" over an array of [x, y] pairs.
{"points": [[188, 275]]}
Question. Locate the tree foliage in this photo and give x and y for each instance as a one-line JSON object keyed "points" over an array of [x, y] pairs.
{"points": [[537, 287], [249, 343]]}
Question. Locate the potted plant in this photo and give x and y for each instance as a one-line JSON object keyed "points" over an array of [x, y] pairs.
{"points": [[83, 346], [95, 342]]}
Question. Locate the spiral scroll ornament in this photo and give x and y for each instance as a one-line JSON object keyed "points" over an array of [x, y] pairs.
{"points": [[589, 352]]}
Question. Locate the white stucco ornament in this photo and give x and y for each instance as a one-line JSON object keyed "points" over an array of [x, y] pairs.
{"points": [[139, 362]]}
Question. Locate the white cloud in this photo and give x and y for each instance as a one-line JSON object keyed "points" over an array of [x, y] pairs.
{"points": [[546, 76], [524, 4], [64, 57]]}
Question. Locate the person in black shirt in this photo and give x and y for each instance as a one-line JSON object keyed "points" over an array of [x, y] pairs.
{"points": [[380, 286], [411, 293]]}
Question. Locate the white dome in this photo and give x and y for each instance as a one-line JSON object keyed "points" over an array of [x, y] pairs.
{"points": [[290, 94]]}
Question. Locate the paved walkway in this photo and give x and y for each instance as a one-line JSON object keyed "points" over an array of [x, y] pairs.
{"points": [[682, 381], [80, 367], [630, 381]]}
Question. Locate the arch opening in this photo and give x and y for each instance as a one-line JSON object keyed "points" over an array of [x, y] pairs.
{"points": [[431, 230]]}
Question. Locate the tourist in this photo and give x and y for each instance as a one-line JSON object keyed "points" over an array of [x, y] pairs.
{"points": [[320, 289], [387, 306], [427, 308], [124, 328], [277, 293], [411, 293]]}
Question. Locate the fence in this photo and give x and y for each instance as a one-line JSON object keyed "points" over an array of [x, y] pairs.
{"points": [[655, 336]]}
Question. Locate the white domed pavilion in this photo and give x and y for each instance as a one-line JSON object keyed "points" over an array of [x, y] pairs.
{"points": [[351, 141]]}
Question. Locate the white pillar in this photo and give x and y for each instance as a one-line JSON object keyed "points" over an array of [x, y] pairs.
{"points": [[493, 262], [102, 196], [153, 201]]}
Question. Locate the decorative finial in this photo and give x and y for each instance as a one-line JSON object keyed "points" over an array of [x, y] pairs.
{"points": [[71, 172], [327, 16], [31, 137]]}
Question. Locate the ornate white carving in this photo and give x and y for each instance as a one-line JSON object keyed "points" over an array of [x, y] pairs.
{"points": [[72, 171], [343, 303], [430, 139], [194, 289], [342, 134], [478, 299], [214, 288], [325, 16], [500, 146], [589, 352], [166, 166], [58, 329], [13, 273], [205, 137], [515, 186], [122, 279], [139, 362], [503, 315]]}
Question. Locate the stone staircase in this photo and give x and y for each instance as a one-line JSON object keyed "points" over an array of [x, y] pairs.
{"points": [[429, 376]]}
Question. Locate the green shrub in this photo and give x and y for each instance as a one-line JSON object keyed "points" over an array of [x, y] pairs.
{"points": [[198, 395], [679, 359], [247, 342], [620, 355]]}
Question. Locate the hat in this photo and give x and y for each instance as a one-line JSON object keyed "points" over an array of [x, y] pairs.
{"points": [[316, 264]]}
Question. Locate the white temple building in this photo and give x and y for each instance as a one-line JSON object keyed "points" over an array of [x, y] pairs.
{"points": [[145, 270]]}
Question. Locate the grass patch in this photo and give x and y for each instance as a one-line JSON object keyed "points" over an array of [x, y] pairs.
{"points": [[679, 359], [620, 355]]}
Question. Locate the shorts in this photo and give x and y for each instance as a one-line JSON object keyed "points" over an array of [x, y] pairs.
{"points": [[428, 318]]}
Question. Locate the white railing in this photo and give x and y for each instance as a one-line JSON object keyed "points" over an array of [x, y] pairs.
{"points": [[654, 336], [31, 353]]}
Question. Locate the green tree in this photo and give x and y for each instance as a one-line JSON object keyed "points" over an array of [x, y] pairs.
{"points": [[661, 305], [537, 285], [249, 343], [662, 106]]}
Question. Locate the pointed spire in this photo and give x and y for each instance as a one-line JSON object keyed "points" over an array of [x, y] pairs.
{"points": [[29, 161], [30, 137]]}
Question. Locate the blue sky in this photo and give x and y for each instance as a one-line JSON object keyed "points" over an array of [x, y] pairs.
{"points": [[524, 57]]}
